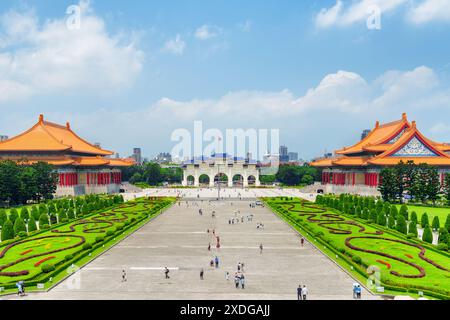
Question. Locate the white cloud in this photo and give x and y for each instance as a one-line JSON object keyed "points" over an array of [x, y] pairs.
{"points": [[49, 57], [175, 46], [430, 10], [357, 11], [206, 32]]}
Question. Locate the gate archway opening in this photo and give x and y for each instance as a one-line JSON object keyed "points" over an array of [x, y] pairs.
{"points": [[191, 181], [204, 180], [238, 181], [251, 181], [221, 179]]}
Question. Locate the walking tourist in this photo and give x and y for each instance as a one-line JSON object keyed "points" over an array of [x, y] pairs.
{"points": [[202, 272], [227, 276], [302, 241], [299, 293], [236, 280], [209, 246], [166, 272], [242, 281], [124, 276], [305, 292], [261, 248], [216, 261]]}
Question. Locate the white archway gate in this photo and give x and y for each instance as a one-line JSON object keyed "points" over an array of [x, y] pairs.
{"points": [[227, 167]]}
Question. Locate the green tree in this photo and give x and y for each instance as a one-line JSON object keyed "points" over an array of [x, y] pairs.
{"points": [[424, 221], [404, 211], [3, 217], [35, 213], [46, 180], [401, 225], [413, 228], [24, 214], [32, 224], [446, 187], [153, 174], [447, 223], [13, 215], [427, 235], [388, 184], [43, 219], [436, 224], [414, 217], [394, 212], [7, 230], [381, 219], [373, 215], [365, 214], [391, 222], [10, 183], [70, 214], [443, 236], [307, 179], [19, 226]]}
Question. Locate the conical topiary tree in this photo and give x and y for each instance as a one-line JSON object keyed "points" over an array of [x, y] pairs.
{"points": [[404, 211], [365, 214], [381, 219], [19, 226], [3, 217], [13, 215], [412, 229], [394, 211], [43, 220], [436, 224], [32, 224], [42, 209], [24, 214], [414, 217], [35, 213], [427, 235], [391, 222], [447, 223], [62, 215], [401, 224], [373, 215], [7, 230], [443, 236], [424, 222], [70, 214]]}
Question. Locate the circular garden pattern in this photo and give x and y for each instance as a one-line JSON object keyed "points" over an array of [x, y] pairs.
{"points": [[410, 262]]}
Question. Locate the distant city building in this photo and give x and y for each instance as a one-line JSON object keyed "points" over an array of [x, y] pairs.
{"points": [[293, 156], [3, 138], [163, 157], [284, 155], [365, 133], [137, 155]]}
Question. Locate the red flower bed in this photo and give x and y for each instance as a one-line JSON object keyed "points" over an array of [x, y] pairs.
{"points": [[26, 252], [37, 264], [409, 256], [387, 264]]}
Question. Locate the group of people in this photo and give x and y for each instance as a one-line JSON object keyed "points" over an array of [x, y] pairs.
{"points": [[302, 292]]}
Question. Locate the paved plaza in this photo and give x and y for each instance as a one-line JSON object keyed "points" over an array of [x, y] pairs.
{"points": [[225, 193], [179, 240]]}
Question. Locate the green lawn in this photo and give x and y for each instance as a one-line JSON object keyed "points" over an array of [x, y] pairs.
{"points": [[23, 259], [396, 257], [431, 211]]}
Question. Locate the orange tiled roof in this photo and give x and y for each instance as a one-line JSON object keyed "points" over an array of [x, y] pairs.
{"points": [[47, 136], [388, 158], [326, 162], [381, 134]]}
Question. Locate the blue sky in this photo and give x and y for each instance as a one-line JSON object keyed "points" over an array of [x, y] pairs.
{"points": [[134, 72]]}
